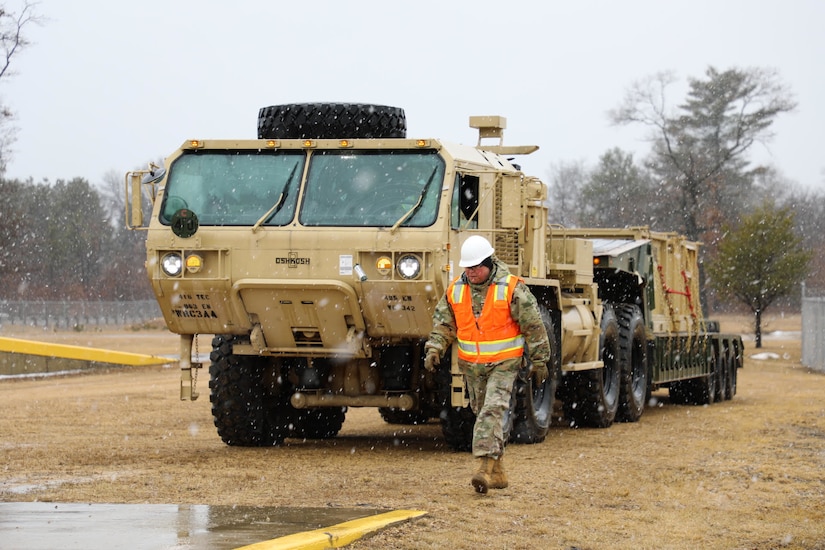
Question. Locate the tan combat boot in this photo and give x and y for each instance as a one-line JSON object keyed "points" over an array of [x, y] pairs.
{"points": [[498, 479], [481, 479]]}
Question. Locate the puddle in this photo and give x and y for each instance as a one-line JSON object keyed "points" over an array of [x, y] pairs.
{"points": [[49, 525]]}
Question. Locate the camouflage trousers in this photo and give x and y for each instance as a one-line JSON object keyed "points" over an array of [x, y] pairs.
{"points": [[490, 387]]}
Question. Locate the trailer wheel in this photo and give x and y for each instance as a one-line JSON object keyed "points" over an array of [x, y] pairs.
{"points": [[331, 120], [532, 410], [592, 396], [246, 413], [722, 378], [633, 362], [320, 423], [678, 393], [730, 378], [696, 391]]}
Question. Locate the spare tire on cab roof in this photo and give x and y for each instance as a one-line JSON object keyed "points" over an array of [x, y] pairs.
{"points": [[331, 120]]}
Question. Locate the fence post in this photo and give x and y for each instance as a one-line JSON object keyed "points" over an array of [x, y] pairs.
{"points": [[813, 331]]}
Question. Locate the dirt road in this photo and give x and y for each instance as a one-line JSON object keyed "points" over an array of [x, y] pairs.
{"points": [[747, 473]]}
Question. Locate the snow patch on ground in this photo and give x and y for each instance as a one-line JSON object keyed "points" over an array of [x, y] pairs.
{"points": [[765, 356]]}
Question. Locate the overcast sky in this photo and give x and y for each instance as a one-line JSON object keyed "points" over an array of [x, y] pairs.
{"points": [[109, 85]]}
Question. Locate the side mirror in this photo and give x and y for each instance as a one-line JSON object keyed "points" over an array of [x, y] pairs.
{"points": [[153, 175], [135, 182]]}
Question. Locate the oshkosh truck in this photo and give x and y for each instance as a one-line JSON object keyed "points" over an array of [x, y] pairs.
{"points": [[315, 255]]}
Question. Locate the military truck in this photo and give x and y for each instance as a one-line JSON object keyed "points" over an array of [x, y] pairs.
{"points": [[315, 254]]}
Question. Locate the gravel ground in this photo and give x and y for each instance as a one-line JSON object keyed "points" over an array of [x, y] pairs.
{"points": [[746, 473]]}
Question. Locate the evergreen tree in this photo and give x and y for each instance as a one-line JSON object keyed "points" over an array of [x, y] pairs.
{"points": [[759, 261]]}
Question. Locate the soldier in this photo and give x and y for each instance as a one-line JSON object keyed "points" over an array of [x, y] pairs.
{"points": [[491, 315]]}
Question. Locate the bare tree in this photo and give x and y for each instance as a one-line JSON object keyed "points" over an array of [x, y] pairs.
{"points": [[700, 149], [566, 180], [12, 42]]}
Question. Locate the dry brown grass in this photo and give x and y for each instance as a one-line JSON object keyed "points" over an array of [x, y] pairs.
{"points": [[746, 473]]}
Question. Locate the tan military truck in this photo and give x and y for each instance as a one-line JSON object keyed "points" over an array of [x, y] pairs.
{"points": [[315, 254]]}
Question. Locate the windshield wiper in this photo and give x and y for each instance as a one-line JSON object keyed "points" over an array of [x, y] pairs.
{"points": [[415, 207], [278, 204]]}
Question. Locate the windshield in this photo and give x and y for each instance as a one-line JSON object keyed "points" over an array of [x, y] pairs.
{"points": [[235, 187], [372, 188]]}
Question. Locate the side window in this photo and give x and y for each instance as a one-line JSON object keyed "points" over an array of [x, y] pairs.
{"points": [[464, 212]]}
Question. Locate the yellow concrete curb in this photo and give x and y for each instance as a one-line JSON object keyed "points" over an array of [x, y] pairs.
{"points": [[31, 347], [338, 535]]}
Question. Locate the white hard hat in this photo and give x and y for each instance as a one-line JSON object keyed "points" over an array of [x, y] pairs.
{"points": [[475, 250]]}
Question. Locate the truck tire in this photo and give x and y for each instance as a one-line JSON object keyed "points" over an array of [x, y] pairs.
{"points": [[533, 407], [592, 396], [722, 368], [729, 373], [320, 423], [634, 379], [456, 422], [392, 415], [457, 426], [331, 120], [735, 365], [244, 413]]}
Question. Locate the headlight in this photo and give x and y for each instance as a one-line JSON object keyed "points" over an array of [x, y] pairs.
{"points": [[409, 267], [171, 264]]}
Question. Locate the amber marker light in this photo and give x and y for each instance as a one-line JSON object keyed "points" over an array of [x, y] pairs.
{"points": [[383, 265], [194, 263], [345, 143], [422, 143], [308, 143], [597, 261], [272, 144], [195, 143]]}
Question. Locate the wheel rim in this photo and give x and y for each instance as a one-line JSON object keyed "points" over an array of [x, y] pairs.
{"points": [[610, 371]]}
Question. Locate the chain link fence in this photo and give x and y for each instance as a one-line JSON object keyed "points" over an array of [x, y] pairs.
{"points": [[813, 331], [77, 314]]}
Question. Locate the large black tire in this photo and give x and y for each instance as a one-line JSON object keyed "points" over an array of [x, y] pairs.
{"points": [[633, 382], [321, 423], [532, 412], [730, 377], [245, 411], [457, 423], [457, 426], [722, 368], [592, 396], [330, 121], [392, 415]]}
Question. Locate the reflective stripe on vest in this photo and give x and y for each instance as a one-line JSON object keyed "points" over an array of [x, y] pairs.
{"points": [[494, 335]]}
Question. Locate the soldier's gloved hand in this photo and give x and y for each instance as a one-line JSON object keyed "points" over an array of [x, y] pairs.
{"points": [[539, 373], [431, 359]]}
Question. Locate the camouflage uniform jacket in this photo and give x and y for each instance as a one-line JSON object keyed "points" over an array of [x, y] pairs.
{"points": [[523, 309]]}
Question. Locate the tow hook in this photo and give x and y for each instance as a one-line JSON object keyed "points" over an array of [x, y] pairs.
{"points": [[188, 378]]}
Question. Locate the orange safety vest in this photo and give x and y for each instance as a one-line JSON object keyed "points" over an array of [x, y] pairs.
{"points": [[494, 335]]}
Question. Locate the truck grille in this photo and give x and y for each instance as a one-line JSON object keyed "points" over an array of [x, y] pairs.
{"points": [[505, 242]]}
